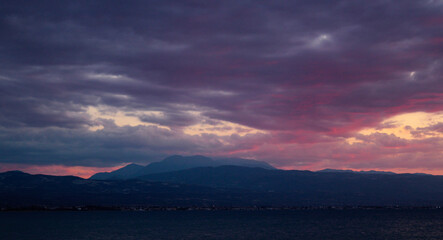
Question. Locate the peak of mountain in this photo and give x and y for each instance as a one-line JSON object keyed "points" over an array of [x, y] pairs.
{"points": [[176, 163], [14, 172], [125, 172]]}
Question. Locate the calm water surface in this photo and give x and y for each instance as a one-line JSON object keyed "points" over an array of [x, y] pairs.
{"points": [[281, 224]]}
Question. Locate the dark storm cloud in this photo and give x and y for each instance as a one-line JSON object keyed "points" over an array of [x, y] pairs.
{"points": [[173, 119], [112, 145], [327, 67]]}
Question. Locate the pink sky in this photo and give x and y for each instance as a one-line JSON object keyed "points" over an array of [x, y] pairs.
{"points": [[300, 85]]}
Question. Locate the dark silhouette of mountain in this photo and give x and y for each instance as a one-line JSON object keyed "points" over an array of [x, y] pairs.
{"points": [[364, 172], [330, 188], [175, 163], [123, 173], [243, 163], [350, 171], [225, 186], [18, 189]]}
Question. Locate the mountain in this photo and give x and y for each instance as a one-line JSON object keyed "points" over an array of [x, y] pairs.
{"points": [[243, 163], [18, 189], [175, 163], [364, 172], [330, 188], [351, 171], [224, 186], [123, 173]]}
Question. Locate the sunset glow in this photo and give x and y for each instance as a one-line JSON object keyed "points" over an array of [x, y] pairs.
{"points": [[298, 84]]}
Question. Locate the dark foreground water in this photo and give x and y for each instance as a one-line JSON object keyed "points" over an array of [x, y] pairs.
{"points": [[281, 224]]}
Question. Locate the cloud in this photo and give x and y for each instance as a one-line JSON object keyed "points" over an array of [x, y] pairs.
{"points": [[297, 73], [172, 119], [113, 145]]}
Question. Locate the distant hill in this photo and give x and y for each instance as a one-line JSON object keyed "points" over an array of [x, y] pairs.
{"points": [[175, 163], [350, 171], [225, 186], [364, 172], [334, 188], [127, 172], [18, 189]]}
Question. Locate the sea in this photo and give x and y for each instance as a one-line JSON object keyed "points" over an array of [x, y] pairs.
{"points": [[224, 224]]}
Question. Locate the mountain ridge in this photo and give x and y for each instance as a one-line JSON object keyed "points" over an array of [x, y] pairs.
{"points": [[176, 163], [225, 186]]}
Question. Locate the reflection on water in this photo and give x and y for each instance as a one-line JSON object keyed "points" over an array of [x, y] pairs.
{"points": [[281, 224]]}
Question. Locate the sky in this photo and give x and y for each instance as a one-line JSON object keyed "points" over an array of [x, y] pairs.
{"points": [[89, 86]]}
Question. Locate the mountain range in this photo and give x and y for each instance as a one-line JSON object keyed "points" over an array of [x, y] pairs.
{"points": [[175, 163], [221, 185]]}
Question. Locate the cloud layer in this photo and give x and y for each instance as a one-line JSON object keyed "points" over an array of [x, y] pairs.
{"points": [[285, 82]]}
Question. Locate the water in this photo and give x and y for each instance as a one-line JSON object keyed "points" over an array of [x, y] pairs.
{"points": [[280, 224]]}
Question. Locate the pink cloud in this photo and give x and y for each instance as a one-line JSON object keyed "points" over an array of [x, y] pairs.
{"points": [[58, 170]]}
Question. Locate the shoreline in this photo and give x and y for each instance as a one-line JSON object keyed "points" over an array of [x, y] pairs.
{"points": [[213, 208]]}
